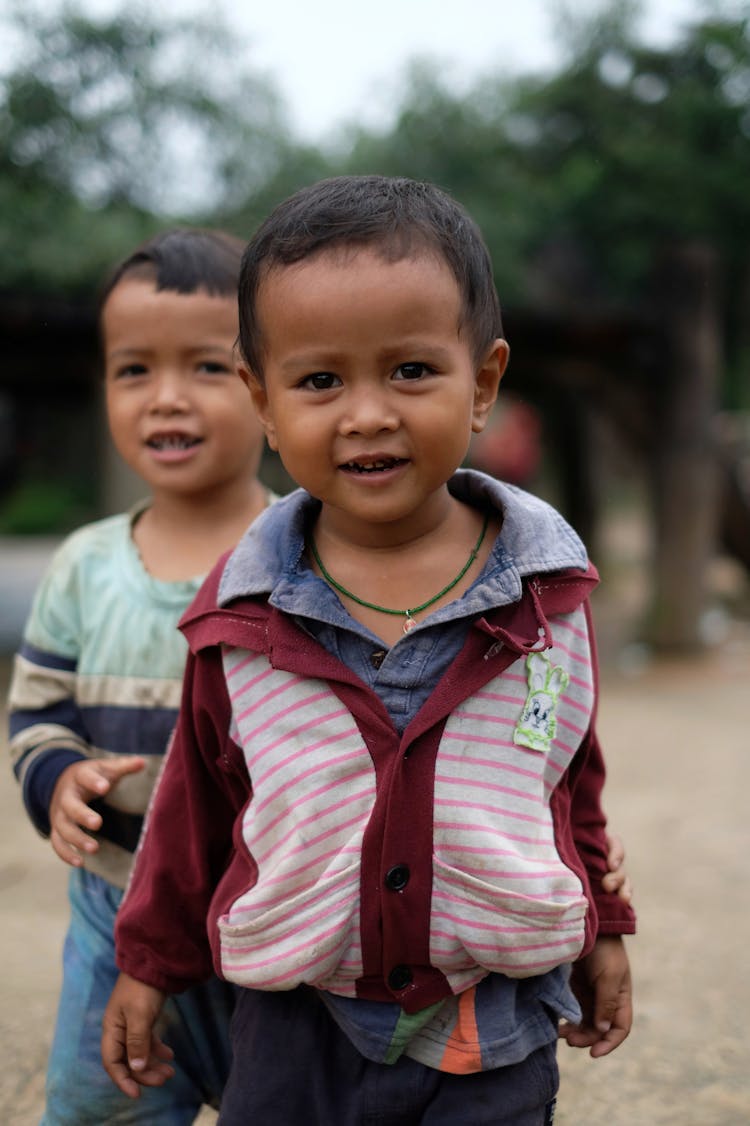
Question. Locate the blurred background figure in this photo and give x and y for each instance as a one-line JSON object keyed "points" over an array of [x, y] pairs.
{"points": [[510, 447]]}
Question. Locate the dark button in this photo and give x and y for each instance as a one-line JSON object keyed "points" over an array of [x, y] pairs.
{"points": [[377, 658], [399, 978], [397, 877]]}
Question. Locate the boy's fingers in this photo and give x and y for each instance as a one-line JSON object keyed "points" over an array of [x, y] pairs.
{"points": [[70, 846], [619, 882], [148, 1056], [71, 825], [95, 778], [577, 1035], [119, 767], [149, 1061], [66, 852], [113, 1057], [154, 1074], [75, 823], [613, 1015], [606, 1004], [616, 856], [131, 1054], [120, 1075], [138, 1047], [109, 771], [607, 1043], [141, 1049]]}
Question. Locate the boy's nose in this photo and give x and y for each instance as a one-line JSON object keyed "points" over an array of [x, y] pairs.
{"points": [[169, 393], [368, 412]]}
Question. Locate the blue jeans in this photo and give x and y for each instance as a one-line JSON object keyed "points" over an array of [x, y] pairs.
{"points": [[293, 1066], [195, 1025]]}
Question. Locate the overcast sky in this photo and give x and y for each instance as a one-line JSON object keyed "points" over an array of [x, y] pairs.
{"points": [[338, 60]]}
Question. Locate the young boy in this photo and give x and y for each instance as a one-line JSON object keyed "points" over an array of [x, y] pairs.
{"points": [[386, 763], [97, 681]]}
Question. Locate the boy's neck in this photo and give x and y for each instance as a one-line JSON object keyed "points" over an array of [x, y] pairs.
{"points": [[404, 571], [181, 537]]}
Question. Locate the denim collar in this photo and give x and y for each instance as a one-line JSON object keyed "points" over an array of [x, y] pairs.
{"points": [[534, 539]]}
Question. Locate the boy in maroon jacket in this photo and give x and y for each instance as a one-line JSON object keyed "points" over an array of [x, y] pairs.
{"points": [[381, 811]]}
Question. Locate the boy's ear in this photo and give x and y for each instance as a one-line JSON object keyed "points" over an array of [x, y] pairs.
{"points": [[487, 382], [258, 394]]}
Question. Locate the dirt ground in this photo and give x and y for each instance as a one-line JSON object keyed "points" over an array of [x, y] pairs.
{"points": [[676, 738]]}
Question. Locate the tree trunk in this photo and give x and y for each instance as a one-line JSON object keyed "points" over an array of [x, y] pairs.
{"points": [[685, 470]]}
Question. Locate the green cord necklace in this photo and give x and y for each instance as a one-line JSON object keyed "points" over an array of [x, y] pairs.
{"points": [[408, 615]]}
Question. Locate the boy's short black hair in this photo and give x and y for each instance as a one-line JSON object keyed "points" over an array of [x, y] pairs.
{"points": [[183, 260], [395, 216]]}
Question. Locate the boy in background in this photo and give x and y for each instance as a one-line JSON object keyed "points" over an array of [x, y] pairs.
{"points": [[96, 683], [386, 760]]}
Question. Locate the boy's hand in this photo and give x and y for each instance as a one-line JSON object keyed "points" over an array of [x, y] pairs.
{"points": [[132, 1053], [601, 982], [617, 878], [69, 813]]}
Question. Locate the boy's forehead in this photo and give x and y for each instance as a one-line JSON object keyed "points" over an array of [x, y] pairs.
{"points": [[358, 300], [139, 292], [347, 256], [135, 306]]}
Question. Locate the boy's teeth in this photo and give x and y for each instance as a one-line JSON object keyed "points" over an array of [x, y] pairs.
{"points": [[172, 442], [370, 466]]}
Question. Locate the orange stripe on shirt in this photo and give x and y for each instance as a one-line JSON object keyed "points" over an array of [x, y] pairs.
{"points": [[462, 1054]]}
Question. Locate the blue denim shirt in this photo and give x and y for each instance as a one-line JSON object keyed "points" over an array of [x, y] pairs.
{"points": [[514, 1016]]}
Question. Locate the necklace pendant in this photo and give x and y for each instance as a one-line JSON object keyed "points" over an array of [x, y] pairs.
{"points": [[409, 624]]}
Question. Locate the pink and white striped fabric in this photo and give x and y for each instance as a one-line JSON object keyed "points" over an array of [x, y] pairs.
{"points": [[502, 900]]}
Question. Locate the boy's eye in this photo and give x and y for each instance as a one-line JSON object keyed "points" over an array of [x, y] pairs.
{"points": [[214, 367], [321, 381], [411, 371], [130, 371]]}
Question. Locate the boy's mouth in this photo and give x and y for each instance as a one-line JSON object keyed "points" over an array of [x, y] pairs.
{"points": [[171, 441], [377, 465]]}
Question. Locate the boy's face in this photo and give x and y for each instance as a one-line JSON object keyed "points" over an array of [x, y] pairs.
{"points": [[370, 393], [179, 413]]}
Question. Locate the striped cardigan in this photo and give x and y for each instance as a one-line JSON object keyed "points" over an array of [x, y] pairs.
{"points": [[296, 837]]}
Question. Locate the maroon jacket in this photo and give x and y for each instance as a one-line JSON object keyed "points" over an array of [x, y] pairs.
{"points": [[193, 862]]}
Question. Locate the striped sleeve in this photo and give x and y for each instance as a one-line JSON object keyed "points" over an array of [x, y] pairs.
{"points": [[46, 728]]}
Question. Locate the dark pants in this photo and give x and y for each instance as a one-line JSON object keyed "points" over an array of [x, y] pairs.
{"points": [[293, 1066]]}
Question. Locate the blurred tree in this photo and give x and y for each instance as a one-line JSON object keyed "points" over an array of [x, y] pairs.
{"points": [[638, 161], [109, 126], [630, 150], [297, 164], [460, 143]]}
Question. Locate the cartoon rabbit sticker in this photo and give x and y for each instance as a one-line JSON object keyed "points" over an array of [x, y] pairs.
{"points": [[537, 725]]}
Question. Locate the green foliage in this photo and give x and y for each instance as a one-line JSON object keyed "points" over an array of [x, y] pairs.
{"points": [[54, 243], [296, 166], [623, 150], [44, 507], [109, 128], [630, 150], [635, 147], [459, 143]]}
